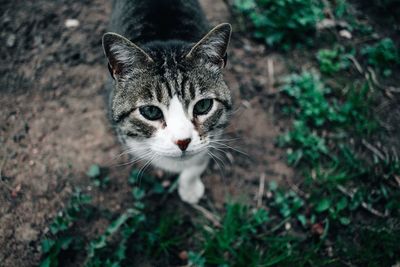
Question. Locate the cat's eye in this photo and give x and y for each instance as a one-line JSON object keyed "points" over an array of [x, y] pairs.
{"points": [[152, 113], [203, 106]]}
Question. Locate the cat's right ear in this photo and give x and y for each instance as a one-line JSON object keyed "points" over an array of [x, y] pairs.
{"points": [[122, 54], [213, 46]]}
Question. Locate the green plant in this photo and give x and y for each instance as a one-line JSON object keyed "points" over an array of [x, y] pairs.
{"points": [[304, 144], [98, 177], [318, 111], [60, 239], [283, 22], [241, 241], [311, 104], [333, 60], [382, 54]]}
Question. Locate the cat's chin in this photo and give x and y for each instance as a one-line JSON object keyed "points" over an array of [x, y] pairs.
{"points": [[181, 162]]}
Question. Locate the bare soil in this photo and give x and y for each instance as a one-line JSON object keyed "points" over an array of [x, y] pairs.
{"points": [[53, 122]]}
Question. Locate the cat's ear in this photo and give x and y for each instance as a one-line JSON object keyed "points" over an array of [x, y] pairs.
{"points": [[213, 45], [122, 54]]}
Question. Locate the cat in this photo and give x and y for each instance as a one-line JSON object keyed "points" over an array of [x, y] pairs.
{"points": [[169, 102]]}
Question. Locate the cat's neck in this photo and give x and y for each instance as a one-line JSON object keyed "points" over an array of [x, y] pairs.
{"points": [[158, 20]]}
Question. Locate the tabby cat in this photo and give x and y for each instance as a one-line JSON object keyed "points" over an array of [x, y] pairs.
{"points": [[169, 102]]}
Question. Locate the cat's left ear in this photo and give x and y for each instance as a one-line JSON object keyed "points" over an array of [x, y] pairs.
{"points": [[122, 54], [213, 45]]}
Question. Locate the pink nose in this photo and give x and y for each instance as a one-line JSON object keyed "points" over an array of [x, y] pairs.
{"points": [[183, 144]]}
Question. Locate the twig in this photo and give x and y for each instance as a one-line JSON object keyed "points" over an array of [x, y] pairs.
{"points": [[395, 156], [356, 64], [279, 225], [3, 163], [373, 149], [270, 69], [261, 190], [363, 204], [208, 215], [371, 78], [295, 188], [397, 178], [328, 9], [393, 89], [388, 89]]}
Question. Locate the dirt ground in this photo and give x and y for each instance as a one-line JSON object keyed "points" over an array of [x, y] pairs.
{"points": [[53, 122]]}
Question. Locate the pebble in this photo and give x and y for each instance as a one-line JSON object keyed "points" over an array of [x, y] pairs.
{"points": [[11, 40], [345, 34], [71, 23]]}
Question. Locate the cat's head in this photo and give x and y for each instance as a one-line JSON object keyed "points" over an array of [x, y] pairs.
{"points": [[170, 99]]}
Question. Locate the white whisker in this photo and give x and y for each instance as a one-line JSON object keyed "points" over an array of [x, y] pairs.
{"points": [[135, 160], [218, 164], [228, 146]]}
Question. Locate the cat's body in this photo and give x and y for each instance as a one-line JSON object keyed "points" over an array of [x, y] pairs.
{"points": [[169, 101]]}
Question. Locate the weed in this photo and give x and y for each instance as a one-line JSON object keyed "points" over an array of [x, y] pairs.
{"points": [[284, 22], [62, 240], [341, 180], [333, 60], [382, 54], [310, 100], [304, 144], [317, 112], [98, 177]]}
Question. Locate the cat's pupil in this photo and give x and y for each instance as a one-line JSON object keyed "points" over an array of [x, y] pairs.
{"points": [[151, 112], [203, 107]]}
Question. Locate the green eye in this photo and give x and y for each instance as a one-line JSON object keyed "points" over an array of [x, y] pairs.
{"points": [[152, 113], [203, 106]]}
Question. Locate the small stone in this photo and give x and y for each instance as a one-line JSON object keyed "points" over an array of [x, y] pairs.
{"points": [[16, 190], [246, 104], [183, 255], [326, 24], [11, 40], [345, 34], [166, 183], [317, 229], [71, 23]]}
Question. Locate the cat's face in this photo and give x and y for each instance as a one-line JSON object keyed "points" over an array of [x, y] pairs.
{"points": [[169, 102]]}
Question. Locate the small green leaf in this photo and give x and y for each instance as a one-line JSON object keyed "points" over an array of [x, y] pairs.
{"points": [[323, 205], [342, 204], [115, 225], [46, 262], [261, 216], [138, 193], [47, 244], [196, 260], [302, 219], [273, 185], [344, 220], [139, 205], [94, 171]]}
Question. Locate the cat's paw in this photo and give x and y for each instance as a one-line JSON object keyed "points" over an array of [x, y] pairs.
{"points": [[191, 193]]}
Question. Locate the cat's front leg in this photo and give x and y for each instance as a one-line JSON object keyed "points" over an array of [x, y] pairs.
{"points": [[190, 186]]}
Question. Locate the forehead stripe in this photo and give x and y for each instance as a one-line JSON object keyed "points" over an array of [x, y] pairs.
{"points": [[168, 88], [183, 86], [159, 94], [192, 91]]}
